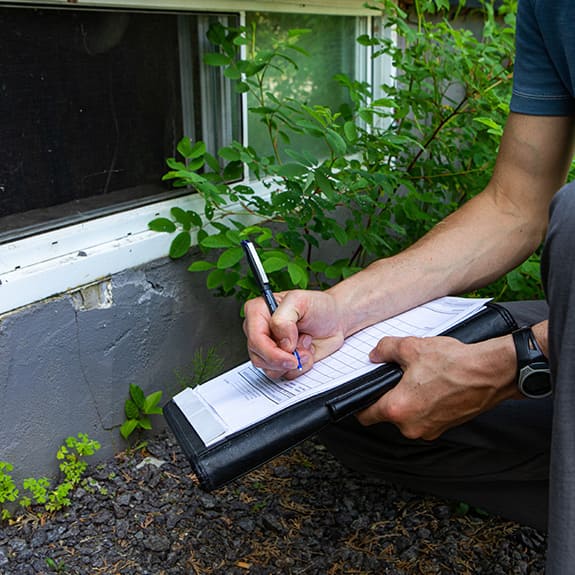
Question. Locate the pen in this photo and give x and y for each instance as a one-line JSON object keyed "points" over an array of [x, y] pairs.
{"points": [[263, 283]]}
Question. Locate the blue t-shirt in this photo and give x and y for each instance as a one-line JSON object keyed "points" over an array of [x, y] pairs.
{"points": [[544, 70]]}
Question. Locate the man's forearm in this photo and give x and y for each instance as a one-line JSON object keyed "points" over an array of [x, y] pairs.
{"points": [[485, 238], [473, 246]]}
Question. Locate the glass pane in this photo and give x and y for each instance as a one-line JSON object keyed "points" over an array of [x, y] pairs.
{"points": [[331, 47]]}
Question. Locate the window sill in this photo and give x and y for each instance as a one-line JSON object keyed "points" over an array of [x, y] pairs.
{"points": [[47, 265], [42, 266]]}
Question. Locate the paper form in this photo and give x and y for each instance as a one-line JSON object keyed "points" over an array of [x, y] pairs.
{"points": [[245, 395]]}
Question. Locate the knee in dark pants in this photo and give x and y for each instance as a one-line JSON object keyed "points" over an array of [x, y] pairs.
{"points": [[560, 240], [562, 210]]}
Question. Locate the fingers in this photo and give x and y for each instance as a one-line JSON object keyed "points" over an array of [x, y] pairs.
{"points": [[437, 391], [273, 339], [391, 407], [399, 408], [288, 369], [263, 349], [394, 407], [304, 320]]}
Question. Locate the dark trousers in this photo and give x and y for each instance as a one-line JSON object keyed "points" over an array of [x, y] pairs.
{"points": [[558, 273]]}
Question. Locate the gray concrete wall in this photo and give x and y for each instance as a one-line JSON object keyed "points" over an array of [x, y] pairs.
{"points": [[66, 363]]}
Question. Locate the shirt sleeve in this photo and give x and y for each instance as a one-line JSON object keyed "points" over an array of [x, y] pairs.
{"points": [[537, 86]]}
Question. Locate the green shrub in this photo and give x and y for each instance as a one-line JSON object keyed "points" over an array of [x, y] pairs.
{"points": [[388, 168]]}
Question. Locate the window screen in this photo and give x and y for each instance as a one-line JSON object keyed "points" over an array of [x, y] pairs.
{"points": [[91, 105]]}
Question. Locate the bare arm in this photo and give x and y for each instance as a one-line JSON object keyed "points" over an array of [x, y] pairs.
{"points": [[485, 238], [489, 235], [446, 383]]}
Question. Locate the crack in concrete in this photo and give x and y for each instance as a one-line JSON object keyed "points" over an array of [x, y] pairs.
{"points": [[84, 374]]}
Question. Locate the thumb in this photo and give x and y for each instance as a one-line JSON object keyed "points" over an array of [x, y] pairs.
{"points": [[388, 349]]}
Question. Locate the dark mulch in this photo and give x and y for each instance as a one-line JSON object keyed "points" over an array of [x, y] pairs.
{"points": [[143, 513]]}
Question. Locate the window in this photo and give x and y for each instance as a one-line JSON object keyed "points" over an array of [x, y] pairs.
{"points": [[91, 104], [332, 50], [93, 100]]}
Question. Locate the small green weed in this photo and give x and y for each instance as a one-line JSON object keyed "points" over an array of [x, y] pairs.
{"points": [[40, 490], [138, 408], [204, 366], [55, 566], [8, 490]]}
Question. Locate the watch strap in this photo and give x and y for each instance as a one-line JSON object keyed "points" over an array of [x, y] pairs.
{"points": [[533, 375], [526, 347]]}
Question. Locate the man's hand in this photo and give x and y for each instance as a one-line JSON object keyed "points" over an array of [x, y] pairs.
{"points": [[445, 382], [306, 320]]}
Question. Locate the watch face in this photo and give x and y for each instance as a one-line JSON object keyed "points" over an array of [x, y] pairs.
{"points": [[535, 380]]}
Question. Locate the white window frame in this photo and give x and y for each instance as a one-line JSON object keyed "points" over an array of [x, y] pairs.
{"points": [[48, 264]]}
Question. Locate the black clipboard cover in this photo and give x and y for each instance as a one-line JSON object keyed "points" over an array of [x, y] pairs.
{"points": [[253, 446]]}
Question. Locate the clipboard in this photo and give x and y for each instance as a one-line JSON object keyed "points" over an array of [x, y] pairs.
{"points": [[218, 463]]}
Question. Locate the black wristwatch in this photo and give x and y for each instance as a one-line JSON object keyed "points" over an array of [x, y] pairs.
{"points": [[533, 374]]}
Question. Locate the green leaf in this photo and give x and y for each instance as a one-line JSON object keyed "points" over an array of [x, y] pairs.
{"points": [[151, 403], [180, 245], [298, 275], [251, 68], [212, 163], [137, 394], [349, 271], [350, 131], [217, 241], [131, 409], [230, 281], [264, 236], [181, 216], [333, 272], [340, 235], [184, 147], [216, 59], [162, 225], [276, 254], [366, 40], [201, 266], [145, 423], [291, 170], [323, 183], [242, 87], [318, 266], [215, 279], [274, 264], [195, 218], [232, 73], [175, 165], [302, 157], [310, 128], [197, 151], [128, 427], [230, 258], [336, 142], [494, 127], [229, 154]]}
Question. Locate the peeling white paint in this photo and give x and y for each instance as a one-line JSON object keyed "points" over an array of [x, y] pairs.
{"points": [[94, 296]]}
